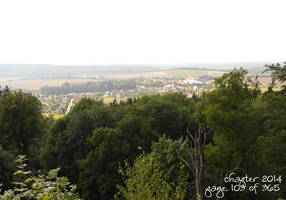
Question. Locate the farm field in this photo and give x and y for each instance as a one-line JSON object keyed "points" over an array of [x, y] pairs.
{"points": [[108, 100], [178, 73], [36, 84], [55, 116], [192, 74], [265, 89]]}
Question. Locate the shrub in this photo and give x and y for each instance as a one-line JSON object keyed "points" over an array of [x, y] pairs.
{"points": [[39, 187]]}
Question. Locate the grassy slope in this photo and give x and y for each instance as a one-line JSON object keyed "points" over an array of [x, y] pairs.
{"points": [[192, 74]]}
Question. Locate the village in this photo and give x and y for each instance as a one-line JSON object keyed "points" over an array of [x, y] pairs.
{"points": [[61, 104]]}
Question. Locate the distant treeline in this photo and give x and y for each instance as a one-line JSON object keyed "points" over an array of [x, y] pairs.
{"points": [[101, 86]]}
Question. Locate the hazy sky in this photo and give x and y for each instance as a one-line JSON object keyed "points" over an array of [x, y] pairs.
{"points": [[141, 32]]}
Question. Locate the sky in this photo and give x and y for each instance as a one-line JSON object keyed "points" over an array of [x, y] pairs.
{"points": [[91, 32]]}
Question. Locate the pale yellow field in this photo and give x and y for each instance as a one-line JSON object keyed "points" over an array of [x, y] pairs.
{"points": [[108, 100], [188, 74], [55, 116], [36, 84], [137, 75]]}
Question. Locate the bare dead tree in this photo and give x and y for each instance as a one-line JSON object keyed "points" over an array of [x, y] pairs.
{"points": [[196, 148]]}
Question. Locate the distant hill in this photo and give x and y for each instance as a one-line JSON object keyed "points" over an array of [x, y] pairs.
{"points": [[252, 67], [40, 71], [66, 71]]}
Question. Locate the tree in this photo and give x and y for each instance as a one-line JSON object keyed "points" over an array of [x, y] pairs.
{"points": [[197, 147], [99, 176], [67, 137], [138, 131], [232, 117], [278, 73], [145, 180], [271, 155], [229, 112], [20, 121], [165, 154], [270, 147], [170, 113], [7, 167], [49, 152]]}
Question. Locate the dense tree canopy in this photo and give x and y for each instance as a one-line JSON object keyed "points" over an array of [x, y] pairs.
{"points": [[20, 121]]}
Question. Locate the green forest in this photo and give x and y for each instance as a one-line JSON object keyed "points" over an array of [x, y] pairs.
{"points": [[152, 147]]}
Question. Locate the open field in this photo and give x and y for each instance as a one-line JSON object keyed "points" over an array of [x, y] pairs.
{"points": [[35, 84], [159, 74], [265, 89], [180, 73], [108, 100], [192, 74], [55, 116]]}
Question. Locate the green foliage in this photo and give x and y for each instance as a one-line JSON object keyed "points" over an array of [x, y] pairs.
{"points": [[249, 131], [98, 178], [20, 121], [138, 124], [165, 153], [170, 113], [157, 175], [271, 154], [145, 180], [278, 73], [67, 137], [40, 187], [274, 112], [230, 114], [233, 115], [49, 151], [144, 129], [270, 148], [7, 166]]}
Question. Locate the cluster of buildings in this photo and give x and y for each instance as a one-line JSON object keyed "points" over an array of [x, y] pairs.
{"points": [[61, 104]]}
